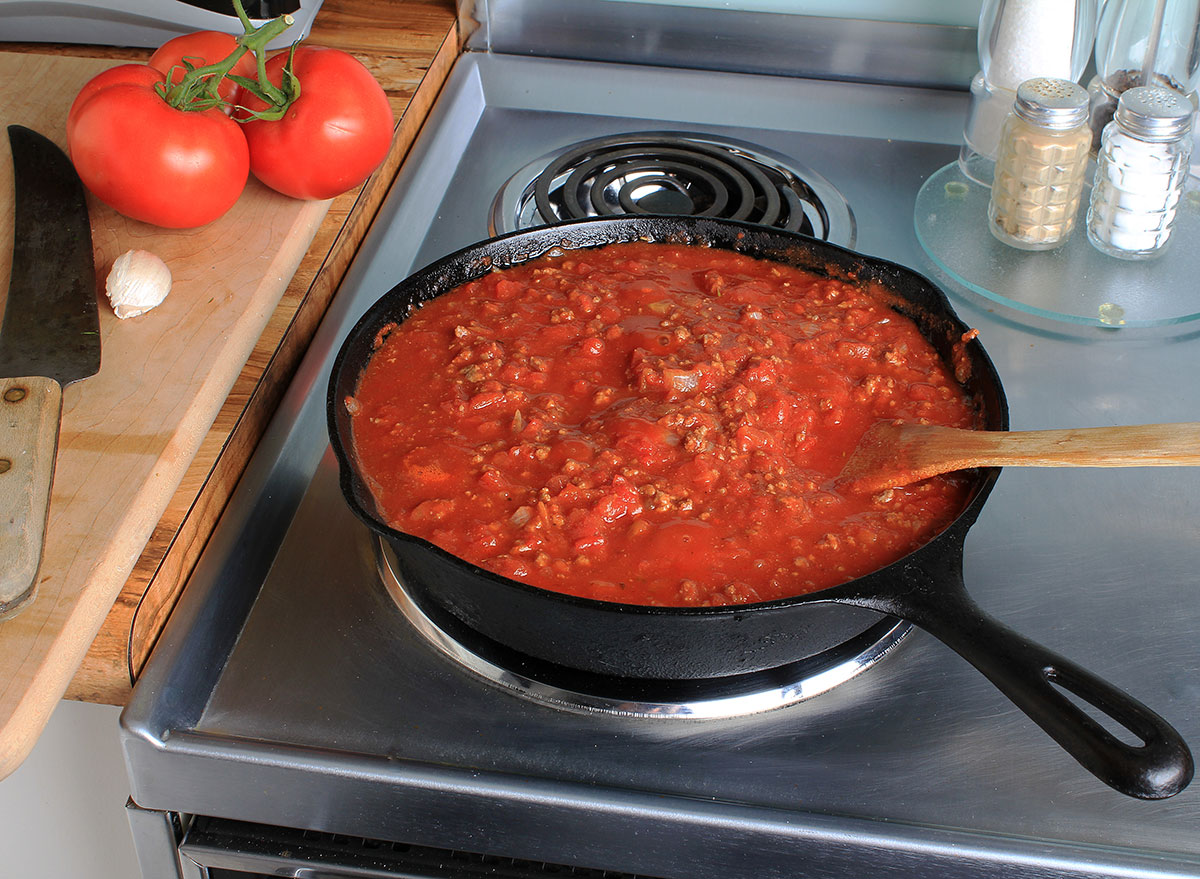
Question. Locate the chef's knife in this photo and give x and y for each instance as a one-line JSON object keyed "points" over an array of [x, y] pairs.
{"points": [[49, 338]]}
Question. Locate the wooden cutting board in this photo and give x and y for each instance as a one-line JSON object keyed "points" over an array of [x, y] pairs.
{"points": [[129, 432]]}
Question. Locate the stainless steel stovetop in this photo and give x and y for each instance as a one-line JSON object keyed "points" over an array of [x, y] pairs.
{"points": [[290, 691]]}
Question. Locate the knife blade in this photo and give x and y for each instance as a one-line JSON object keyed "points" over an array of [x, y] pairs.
{"points": [[50, 337]]}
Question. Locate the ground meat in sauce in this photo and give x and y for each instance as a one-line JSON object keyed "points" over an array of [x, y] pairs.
{"points": [[652, 424]]}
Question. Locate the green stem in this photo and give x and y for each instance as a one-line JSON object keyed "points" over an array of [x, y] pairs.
{"points": [[242, 16], [277, 98], [197, 88], [272, 94]]}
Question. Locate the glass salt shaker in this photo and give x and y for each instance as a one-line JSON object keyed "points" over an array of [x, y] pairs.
{"points": [[1140, 173], [1019, 40], [1041, 165]]}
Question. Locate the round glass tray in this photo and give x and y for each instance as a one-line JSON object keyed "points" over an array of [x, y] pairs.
{"points": [[1075, 282]]}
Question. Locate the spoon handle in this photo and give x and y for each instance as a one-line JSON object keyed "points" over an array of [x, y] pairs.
{"points": [[1138, 445]]}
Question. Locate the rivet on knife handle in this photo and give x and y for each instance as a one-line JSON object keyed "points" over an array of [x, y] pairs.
{"points": [[30, 409]]}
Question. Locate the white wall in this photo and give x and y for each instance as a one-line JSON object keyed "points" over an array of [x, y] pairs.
{"points": [[62, 812]]}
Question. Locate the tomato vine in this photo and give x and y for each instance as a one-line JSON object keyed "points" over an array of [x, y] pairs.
{"points": [[197, 89], [173, 142]]}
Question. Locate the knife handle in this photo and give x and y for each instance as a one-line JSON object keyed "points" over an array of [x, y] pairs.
{"points": [[30, 415]]}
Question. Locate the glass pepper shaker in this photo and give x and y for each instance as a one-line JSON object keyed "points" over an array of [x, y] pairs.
{"points": [[1143, 42], [1140, 173], [1041, 165]]}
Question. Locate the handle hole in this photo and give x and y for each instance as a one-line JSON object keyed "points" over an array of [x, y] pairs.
{"points": [[1114, 727]]}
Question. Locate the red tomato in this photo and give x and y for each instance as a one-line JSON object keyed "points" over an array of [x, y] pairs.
{"points": [[332, 137], [151, 162], [201, 49], [141, 74]]}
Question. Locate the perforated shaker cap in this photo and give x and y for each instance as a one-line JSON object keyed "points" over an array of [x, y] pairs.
{"points": [[1154, 113], [1052, 103]]}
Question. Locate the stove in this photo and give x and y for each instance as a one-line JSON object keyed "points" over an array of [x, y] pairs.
{"points": [[672, 173], [298, 719]]}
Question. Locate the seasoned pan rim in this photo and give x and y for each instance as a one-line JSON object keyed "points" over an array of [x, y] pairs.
{"points": [[480, 258]]}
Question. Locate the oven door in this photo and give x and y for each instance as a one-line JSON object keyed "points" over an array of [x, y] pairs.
{"points": [[171, 845]]}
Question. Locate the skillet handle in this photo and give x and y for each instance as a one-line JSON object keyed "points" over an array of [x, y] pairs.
{"points": [[1031, 676]]}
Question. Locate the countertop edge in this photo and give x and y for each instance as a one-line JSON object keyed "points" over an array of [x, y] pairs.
{"points": [[127, 636]]}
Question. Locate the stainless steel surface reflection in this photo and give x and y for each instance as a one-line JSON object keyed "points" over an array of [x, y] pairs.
{"points": [[289, 690]]}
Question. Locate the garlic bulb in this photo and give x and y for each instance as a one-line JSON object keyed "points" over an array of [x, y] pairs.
{"points": [[137, 282]]}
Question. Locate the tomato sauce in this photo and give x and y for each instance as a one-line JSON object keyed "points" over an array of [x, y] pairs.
{"points": [[652, 424]]}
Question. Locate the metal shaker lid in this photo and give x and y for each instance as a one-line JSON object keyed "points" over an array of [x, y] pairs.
{"points": [[1052, 103], [1154, 113]]}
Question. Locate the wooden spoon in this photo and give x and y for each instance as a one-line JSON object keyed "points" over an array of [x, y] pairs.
{"points": [[891, 454]]}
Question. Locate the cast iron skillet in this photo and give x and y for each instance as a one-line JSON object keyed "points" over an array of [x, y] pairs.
{"points": [[635, 642]]}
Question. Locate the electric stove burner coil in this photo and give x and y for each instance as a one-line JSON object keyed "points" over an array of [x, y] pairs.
{"points": [[674, 174]]}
